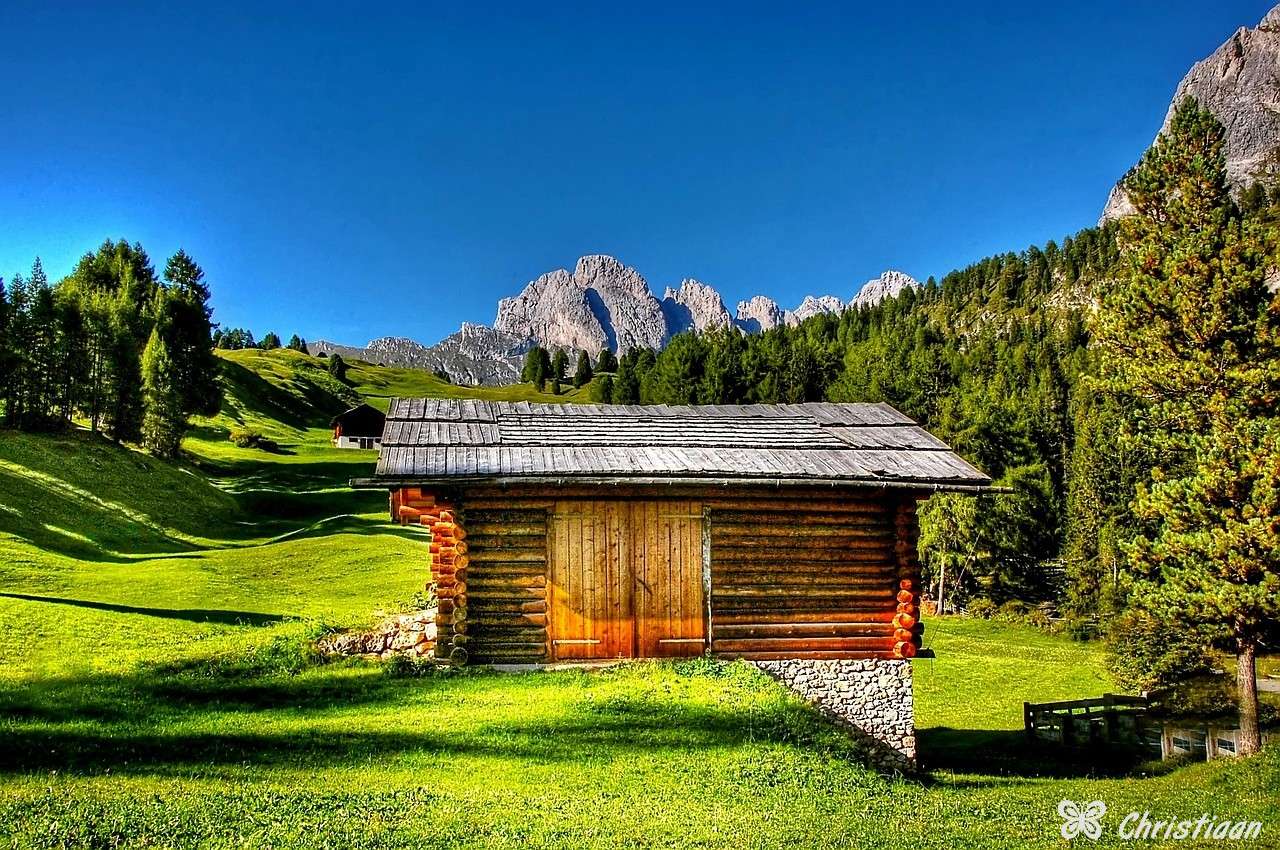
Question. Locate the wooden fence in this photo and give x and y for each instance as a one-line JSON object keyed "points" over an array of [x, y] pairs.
{"points": [[1109, 719]]}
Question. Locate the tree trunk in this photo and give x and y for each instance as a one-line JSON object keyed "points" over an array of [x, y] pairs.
{"points": [[942, 587], [1247, 682]]}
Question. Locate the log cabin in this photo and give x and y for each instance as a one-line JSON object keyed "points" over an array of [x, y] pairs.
{"points": [[358, 428], [587, 532]]}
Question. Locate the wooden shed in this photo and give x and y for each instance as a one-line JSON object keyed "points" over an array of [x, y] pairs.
{"points": [[358, 428], [568, 532]]}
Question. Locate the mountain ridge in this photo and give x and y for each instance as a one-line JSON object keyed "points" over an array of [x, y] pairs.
{"points": [[602, 303], [1240, 84]]}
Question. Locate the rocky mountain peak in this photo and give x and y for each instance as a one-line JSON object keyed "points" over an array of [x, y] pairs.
{"points": [[1240, 84], [888, 285], [759, 314], [601, 304], [694, 306], [814, 306]]}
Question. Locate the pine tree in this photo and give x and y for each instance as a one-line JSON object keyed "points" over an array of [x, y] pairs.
{"points": [[114, 290], [164, 422], [607, 361], [123, 410], [270, 341], [602, 390], [626, 384], [537, 367], [338, 367], [582, 374], [1191, 335], [190, 336], [559, 365], [296, 343], [6, 344]]}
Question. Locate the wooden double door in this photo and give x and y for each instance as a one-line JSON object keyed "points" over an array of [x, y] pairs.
{"points": [[626, 580]]}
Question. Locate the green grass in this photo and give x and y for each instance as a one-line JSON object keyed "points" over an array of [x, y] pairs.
{"points": [[156, 689]]}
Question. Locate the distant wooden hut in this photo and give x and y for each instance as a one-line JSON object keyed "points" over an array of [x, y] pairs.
{"points": [[576, 532], [358, 428]]}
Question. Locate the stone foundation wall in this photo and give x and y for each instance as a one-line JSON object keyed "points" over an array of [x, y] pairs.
{"points": [[869, 697], [411, 634]]}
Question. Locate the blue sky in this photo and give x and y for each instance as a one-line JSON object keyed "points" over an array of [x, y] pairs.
{"points": [[348, 175]]}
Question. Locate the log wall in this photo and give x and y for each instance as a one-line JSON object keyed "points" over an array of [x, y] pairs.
{"points": [[808, 578], [793, 574], [507, 586]]}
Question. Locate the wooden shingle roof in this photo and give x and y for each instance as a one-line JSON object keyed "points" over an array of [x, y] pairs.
{"points": [[459, 440]]}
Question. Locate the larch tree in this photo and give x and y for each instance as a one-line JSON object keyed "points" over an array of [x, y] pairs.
{"points": [[164, 420], [559, 366], [190, 335], [1190, 334], [582, 374], [537, 367]]}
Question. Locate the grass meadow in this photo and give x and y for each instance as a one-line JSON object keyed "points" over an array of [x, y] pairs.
{"points": [[157, 689]]}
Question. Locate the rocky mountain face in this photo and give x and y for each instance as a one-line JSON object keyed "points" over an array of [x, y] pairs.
{"points": [[759, 314], [600, 304], [888, 285], [1240, 84], [694, 306], [474, 355]]}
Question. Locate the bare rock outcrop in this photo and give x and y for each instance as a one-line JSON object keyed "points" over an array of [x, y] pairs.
{"points": [[760, 314], [1240, 84], [601, 304], [694, 306], [815, 306], [888, 285]]}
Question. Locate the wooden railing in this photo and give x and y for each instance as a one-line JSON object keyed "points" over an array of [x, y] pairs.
{"points": [[1111, 718]]}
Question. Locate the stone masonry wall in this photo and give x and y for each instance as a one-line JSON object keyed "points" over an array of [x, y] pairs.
{"points": [[869, 697]]}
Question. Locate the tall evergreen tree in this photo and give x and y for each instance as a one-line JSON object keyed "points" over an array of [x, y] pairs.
{"points": [[6, 344], [582, 374], [1190, 334], [338, 367], [537, 367], [190, 335], [626, 384], [607, 361], [165, 421], [115, 290], [270, 341]]}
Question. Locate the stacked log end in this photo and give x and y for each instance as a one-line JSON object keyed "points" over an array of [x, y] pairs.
{"points": [[449, 561], [907, 628]]}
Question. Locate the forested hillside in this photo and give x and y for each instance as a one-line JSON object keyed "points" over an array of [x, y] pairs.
{"points": [[991, 358]]}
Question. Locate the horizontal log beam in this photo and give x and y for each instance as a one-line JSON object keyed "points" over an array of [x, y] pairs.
{"points": [[802, 630], [809, 644], [812, 656], [723, 618]]}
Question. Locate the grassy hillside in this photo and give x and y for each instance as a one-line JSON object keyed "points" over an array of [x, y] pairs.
{"points": [[290, 398], [156, 686]]}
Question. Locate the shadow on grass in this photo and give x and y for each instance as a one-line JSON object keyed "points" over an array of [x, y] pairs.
{"points": [[192, 615], [168, 723], [992, 754]]}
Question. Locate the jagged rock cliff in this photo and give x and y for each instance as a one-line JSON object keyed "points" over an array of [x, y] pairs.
{"points": [[813, 306], [694, 306], [888, 285], [759, 314], [602, 303], [474, 355], [1240, 84]]}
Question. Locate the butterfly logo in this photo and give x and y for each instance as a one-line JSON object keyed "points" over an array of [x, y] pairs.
{"points": [[1077, 820]]}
